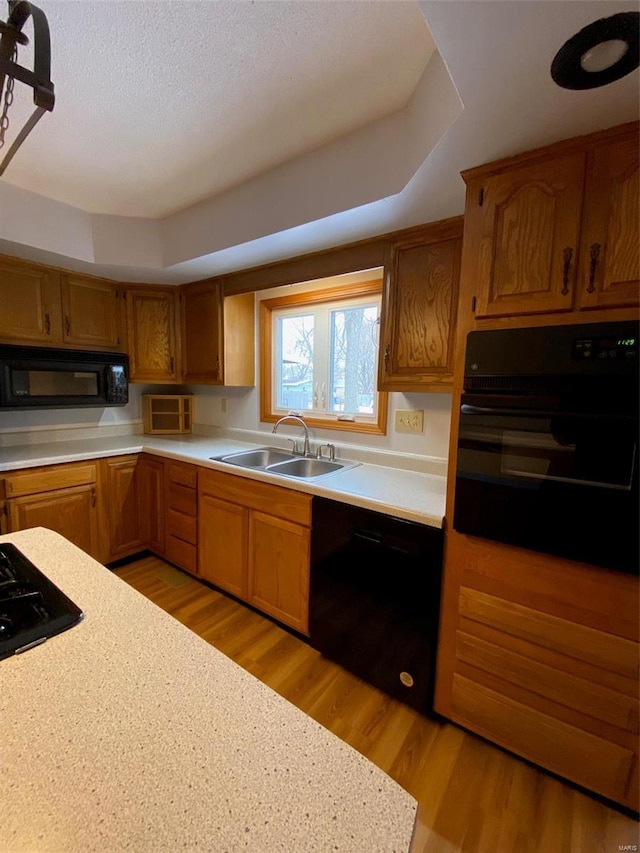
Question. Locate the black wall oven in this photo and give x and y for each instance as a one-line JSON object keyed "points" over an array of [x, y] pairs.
{"points": [[548, 442]]}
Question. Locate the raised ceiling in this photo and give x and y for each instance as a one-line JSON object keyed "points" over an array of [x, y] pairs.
{"points": [[194, 138]]}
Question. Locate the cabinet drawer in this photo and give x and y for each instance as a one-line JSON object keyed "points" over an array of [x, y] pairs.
{"points": [[183, 554], [184, 475], [34, 480], [183, 499], [182, 526], [273, 500], [583, 757], [558, 685], [598, 648]]}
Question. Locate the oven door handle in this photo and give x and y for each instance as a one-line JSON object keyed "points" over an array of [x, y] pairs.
{"points": [[468, 409]]}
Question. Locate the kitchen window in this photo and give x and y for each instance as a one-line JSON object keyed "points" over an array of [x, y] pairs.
{"points": [[320, 358]]}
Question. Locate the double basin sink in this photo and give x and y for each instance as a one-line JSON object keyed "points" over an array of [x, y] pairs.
{"points": [[276, 461]]}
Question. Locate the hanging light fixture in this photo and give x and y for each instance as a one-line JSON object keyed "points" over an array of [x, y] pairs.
{"points": [[11, 36], [600, 53]]}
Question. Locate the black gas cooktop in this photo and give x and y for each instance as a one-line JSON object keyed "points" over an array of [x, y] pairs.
{"points": [[32, 608]]}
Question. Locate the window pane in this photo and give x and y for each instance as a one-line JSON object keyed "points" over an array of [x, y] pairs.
{"points": [[294, 362], [353, 360]]}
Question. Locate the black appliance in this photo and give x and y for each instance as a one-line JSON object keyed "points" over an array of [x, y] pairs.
{"points": [[548, 443], [375, 598], [32, 608], [40, 377]]}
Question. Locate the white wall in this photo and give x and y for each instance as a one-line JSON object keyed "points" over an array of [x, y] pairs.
{"points": [[241, 411], [24, 427]]}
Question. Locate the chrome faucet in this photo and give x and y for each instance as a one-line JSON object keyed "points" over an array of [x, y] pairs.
{"points": [[296, 419]]}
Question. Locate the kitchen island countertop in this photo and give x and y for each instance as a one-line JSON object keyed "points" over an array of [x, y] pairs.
{"points": [[410, 494], [128, 731]]}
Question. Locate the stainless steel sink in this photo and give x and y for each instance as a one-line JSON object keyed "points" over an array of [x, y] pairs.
{"points": [[276, 461], [261, 458], [305, 467]]}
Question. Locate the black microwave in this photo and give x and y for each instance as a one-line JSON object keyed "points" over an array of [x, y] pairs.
{"points": [[44, 378]]}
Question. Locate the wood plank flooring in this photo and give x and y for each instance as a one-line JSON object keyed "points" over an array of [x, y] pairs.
{"points": [[472, 796]]}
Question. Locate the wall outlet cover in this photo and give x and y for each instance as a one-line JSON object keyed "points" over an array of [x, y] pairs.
{"points": [[409, 420]]}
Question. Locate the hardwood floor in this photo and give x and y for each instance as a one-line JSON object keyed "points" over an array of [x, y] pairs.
{"points": [[472, 796]]}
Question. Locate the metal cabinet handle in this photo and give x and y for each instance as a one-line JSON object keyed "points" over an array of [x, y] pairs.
{"points": [[567, 254], [93, 496], [67, 325], [594, 251], [47, 324], [387, 355]]}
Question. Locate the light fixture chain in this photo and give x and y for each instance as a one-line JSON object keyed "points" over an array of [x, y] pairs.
{"points": [[8, 99]]}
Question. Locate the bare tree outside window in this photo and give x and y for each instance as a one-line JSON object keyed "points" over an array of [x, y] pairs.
{"points": [[322, 349]]}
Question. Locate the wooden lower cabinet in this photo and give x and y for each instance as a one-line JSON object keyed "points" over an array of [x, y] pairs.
{"points": [[151, 498], [181, 497], [60, 497], [70, 512], [278, 569], [540, 656], [223, 544], [121, 516], [255, 543]]}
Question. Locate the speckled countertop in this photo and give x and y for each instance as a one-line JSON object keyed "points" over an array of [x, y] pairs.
{"points": [[412, 494], [130, 732]]}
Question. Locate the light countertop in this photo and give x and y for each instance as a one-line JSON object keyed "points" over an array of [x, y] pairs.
{"points": [[409, 494], [128, 731]]}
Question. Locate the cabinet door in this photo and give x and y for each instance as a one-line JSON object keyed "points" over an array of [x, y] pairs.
{"points": [[30, 300], [91, 311], [419, 311], [610, 248], [70, 512], [151, 495], [151, 323], [122, 503], [278, 569], [524, 224], [222, 545], [202, 333]]}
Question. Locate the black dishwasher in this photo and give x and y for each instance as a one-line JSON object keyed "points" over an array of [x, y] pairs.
{"points": [[375, 598]]}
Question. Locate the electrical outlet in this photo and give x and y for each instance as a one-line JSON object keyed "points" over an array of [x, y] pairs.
{"points": [[409, 420]]}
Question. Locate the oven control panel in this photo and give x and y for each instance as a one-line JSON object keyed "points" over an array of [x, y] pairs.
{"points": [[624, 346]]}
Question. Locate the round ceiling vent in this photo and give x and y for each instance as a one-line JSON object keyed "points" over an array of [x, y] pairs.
{"points": [[600, 53]]}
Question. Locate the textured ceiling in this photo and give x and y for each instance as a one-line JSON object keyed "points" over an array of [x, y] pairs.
{"points": [[160, 105], [192, 139]]}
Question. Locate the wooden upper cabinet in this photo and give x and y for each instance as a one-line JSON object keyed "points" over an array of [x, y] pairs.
{"points": [[151, 324], [610, 251], [30, 299], [201, 309], [42, 305], [90, 312], [419, 310], [555, 230], [525, 223], [218, 335]]}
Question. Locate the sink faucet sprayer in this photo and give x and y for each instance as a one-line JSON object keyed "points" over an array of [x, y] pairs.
{"points": [[297, 420]]}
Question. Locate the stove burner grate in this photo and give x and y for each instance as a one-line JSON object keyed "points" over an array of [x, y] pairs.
{"points": [[32, 608]]}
